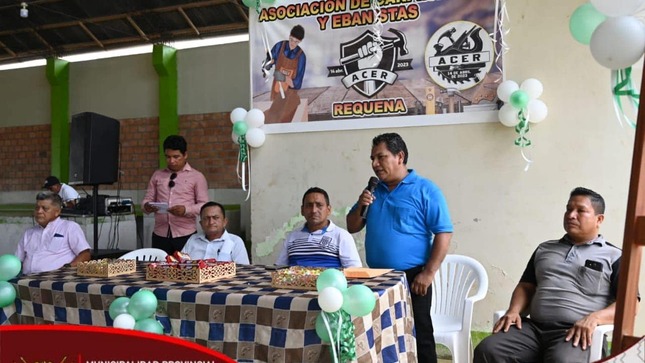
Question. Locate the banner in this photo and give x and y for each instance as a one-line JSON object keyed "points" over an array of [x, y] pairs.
{"points": [[340, 64], [88, 344]]}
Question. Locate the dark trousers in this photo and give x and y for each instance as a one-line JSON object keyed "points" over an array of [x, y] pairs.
{"points": [[533, 343], [426, 348], [169, 244]]}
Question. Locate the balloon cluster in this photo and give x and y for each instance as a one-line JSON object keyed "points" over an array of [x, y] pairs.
{"points": [[521, 106], [136, 312], [616, 39], [247, 127], [615, 36], [338, 303], [10, 267]]}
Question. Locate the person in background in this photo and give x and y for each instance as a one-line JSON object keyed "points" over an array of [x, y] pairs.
{"points": [[53, 242], [408, 228], [175, 195], [215, 241], [67, 193], [319, 242], [568, 288], [290, 63]]}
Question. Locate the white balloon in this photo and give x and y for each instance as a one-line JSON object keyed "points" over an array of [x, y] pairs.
{"points": [[238, 114], [508, 115], [532, 87], [330, 299], [505, 89], [255, 137], [124, 321], [234, 137], [537, 111], [619, 42], [617, 7], [254, 118]]}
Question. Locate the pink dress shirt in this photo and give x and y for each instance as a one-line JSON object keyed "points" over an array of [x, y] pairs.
{"points": [[46, 249], [190, 190]]}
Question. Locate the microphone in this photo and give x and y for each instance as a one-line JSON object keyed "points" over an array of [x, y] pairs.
{"points": [[371, 185]]}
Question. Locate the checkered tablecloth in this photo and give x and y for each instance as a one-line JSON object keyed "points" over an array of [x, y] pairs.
{"points": [[243, 317]]}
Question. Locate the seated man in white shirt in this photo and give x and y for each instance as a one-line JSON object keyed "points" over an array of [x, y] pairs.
{"points": [[66, 192], [215, 241], [319, 242], [53, 242]]}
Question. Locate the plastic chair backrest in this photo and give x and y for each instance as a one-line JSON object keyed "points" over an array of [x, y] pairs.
{"points": [[145, 254], [453, 283]]}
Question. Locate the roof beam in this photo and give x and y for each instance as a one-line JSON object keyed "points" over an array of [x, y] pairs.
{"points": [[137, 28], [190, 23], [90, 34], [7, 49], [42, 39]]}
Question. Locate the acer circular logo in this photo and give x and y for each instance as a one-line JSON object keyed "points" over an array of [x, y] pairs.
{"points": [[459, 54]]}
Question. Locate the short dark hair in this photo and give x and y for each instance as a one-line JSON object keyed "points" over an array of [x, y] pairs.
{"points": [[175, 142], [315, 190], [55, 199], [596, 199], [298, 32], [212, 204], [394, 143]]}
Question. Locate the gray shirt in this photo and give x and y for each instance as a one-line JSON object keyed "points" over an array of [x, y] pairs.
{"points": [[571, 280]]}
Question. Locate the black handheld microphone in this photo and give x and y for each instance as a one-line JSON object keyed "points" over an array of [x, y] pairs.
{"points": [[371, 185]]}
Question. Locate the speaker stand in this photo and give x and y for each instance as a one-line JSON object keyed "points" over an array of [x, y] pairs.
{"points": [[95, 214]]}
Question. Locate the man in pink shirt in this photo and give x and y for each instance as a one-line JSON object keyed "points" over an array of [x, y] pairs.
{"points": [[54, 242], [175, 194]]}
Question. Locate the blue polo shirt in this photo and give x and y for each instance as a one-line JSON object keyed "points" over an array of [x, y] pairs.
{"points": [[401, 223]]}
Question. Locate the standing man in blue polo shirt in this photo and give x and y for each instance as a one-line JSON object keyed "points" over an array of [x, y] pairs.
{"points": [[408, 228]]}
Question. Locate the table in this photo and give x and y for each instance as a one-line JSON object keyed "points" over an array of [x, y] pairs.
{"points": [[243, 317]]}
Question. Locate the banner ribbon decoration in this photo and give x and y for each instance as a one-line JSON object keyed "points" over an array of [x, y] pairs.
{"points": [[243, 159], [621, 81], [522, 129], [343, 343]]}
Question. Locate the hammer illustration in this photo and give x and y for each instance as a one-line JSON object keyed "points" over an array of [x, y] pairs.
{"points": [[401, 43]]}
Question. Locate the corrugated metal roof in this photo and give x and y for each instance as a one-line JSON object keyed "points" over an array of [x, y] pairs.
{"points": [[65, 27]]}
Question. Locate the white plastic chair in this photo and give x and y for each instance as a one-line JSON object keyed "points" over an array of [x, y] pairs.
{"points": [[597, 338], [145, 254], [452, 303]]}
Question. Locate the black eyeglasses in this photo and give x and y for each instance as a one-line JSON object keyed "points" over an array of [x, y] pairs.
{"points": [[171, 183]]}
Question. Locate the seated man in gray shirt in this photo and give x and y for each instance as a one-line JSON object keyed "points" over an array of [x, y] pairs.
{"points": [[568, 288]]}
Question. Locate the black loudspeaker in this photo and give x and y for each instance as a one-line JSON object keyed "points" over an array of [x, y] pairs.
{"points": [[93, 149]]}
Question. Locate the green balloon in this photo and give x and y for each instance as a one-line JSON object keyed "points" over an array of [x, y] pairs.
{"points": [[149, 325], [143, 304], [239, 128], [584, 20], [331, 277], [321, 329], [7, 294], [358, 300], [250, 3], [119, 306], [519, 99], [9, 267]]}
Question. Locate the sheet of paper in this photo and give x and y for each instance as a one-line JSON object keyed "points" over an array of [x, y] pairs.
{"points": [[162, 207]]}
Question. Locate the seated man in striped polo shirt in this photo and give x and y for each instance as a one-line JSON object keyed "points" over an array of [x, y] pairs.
{"points": [[319, 242]]}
